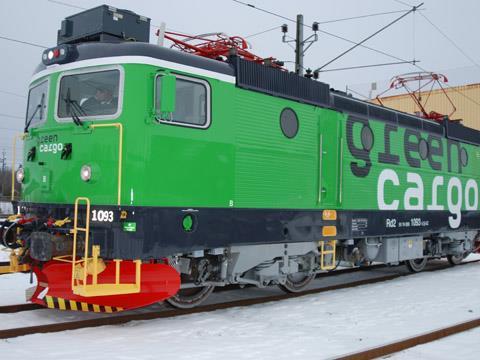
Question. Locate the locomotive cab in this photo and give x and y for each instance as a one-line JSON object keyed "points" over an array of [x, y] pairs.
{"points": [[62, 146]]}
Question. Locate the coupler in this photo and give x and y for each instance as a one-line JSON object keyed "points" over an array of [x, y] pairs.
{"points": [[8, 238]]}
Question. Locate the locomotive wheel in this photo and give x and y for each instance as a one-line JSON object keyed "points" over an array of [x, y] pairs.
{"points": [[191, 297], [8, 236], [416, 265], [297, 282], [456, 259]]}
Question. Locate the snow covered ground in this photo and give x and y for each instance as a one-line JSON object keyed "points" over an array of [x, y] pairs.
{"points": [[4, 254], [312, 327], [5, 207]]}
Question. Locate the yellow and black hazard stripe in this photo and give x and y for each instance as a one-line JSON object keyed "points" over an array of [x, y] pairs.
{"points": [[63, 304]]}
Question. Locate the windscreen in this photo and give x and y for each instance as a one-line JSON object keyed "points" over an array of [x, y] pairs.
{"points": [[37, 104], [92, 94]]}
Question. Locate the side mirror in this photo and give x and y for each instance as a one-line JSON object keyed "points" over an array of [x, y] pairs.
{"points": [[166, 86]]}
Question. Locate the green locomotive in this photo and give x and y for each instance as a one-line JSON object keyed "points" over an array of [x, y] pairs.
{"points": [[151, 174]]}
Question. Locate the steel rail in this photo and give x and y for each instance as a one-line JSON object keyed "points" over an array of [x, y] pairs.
{"points": [[8, 309], [410, 342], [5, 309], [150, 315], [122, 319]]}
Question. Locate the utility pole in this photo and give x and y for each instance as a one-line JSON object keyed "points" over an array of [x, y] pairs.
{"points": [[4, 160], [299, 46], [300, 42], [3, 175]]}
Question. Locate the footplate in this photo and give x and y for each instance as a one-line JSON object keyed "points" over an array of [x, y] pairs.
{"points": [[14, 266], [158, 282]]}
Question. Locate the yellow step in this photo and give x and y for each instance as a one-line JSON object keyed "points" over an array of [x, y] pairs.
{"points": [[105, 289], [5, 269]]}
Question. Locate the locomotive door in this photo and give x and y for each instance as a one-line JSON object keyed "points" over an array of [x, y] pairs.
{"points": [[330, 145]]}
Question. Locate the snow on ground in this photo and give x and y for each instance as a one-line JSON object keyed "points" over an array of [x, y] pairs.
{"points": [[12, 288], [4, 253], [460, 346], [5, 207], [311, 327]]}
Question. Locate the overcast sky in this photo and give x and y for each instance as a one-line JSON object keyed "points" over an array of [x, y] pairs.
{"points": [[37, 21]]}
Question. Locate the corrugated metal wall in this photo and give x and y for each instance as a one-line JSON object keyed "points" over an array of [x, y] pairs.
{"points": [[466, 99]]}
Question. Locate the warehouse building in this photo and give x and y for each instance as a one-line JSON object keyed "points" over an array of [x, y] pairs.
{"points": [[466, 99]]}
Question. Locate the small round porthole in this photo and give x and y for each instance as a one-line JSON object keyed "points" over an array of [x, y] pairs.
{"points": [[289, 123], [464, 157], [423, 149], [367, 137]]}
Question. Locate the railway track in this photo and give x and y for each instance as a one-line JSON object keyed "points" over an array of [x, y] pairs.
{"points": [[167, 313], [8, 309], [396, 346], [5, 309]]}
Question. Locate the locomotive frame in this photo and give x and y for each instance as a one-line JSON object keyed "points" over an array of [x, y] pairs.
{"points": [[252, 196]]}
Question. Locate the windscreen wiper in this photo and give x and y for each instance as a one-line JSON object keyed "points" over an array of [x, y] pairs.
{"points": [[38, 107], [74, 109]]}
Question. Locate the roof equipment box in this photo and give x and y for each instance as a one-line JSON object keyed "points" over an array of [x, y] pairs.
{"points": [[105, 24]]}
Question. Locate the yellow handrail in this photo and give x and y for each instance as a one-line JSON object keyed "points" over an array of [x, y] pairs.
{"points": [[21, 136], [120, 152], [86, 230], [94, 265], [333, 246]]}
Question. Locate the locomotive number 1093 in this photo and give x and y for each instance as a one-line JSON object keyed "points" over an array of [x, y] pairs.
{"points": [[102, 215]]}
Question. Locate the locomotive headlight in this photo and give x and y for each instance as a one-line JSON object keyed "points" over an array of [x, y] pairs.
{"points": [[20, 175], [86, 172]]}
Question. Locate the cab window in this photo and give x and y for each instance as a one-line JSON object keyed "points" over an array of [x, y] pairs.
{"points": [[192, 102], [89, 94], [37, 104]]}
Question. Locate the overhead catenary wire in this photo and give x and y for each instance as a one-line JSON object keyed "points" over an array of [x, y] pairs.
{"points": [[325, 21], [323, 31], [362, 16], [67, 4], [450, 40], [455, 45], [291, 20], [413, 9], [454, 88], [262, 32], [12, 116], [464, 53], [357, 93], [371, 65], [403, 3], [12, 93], [22, 42]]}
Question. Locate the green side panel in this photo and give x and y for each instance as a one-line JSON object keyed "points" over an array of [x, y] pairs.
{"points": [[271, 170], [330, 150], [363, 192], [241, 160]]}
